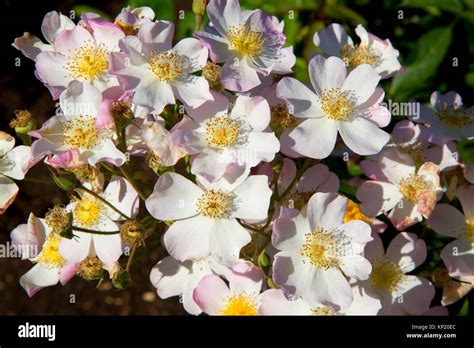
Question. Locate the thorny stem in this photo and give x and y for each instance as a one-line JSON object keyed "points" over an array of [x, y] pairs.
{"points": [[131, 257], [86, 230], [132, 182]]}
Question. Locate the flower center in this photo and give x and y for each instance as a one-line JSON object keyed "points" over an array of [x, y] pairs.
{"points": [[457, 118], [281, 118], [386, 275], [222, 132], [337, 104], [88, 62], [353, 213], [355, 55], [469, 230], [413, 186], [245, 41], [167, 66], [128, 29], [215, 204], [320, 249], [241, 304], [81, 133], [49, 255], [415, 151], [323, 311], [87, 210]]}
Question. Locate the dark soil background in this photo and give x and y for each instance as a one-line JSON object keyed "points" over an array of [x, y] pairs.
{"points": [[19, 89]]}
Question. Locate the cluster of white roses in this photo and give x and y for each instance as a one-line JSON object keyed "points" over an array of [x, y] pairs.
{"points": [[206, 145]]}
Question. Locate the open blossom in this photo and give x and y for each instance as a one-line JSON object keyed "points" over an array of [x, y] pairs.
{"points": [[53, 24], [91, 213], [318, 250], [411, 140], [206, 217], [448, 119], [249, 43], [157, 72], [340, 103], [38, 243], [175, 278], [130, 20], [223, 139], [458, 255], [14, 163], [399, 292], [405, 193], [81, 134], [372, 50], [82, 54], [274, 302], [240, 298]]}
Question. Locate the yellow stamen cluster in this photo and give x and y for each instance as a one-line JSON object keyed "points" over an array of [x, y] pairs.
{"points": [[416, 151], [353, 213], [413, 186], [90, 268], [281, 118], [323, 311], [386, 275], [457, 118], [81, 133], [245, 41], [85, 172], [88, 62], [320, 249], [87, 210], [49, 255], [212, 72], [222, 131], [167, 66], [337, 104], [469, 230], [240, 304], [128, 29], [121, 112], [355, 55], [215, 204], [57, 219], [152, 160], [22, 119]]}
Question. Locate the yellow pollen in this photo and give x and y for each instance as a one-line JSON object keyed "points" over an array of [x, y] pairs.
{"points": [[212, 72], [90, 268], [281, 118], [222, 132], [245, 41], [128, 29], [355, 55], [353, 213], [469, 230], [81, 133], [87, 210], [215, 204], [415, 151], [22, 119], [413, 186], [336, 104], [320, 249], [323, 311], [240, 304], [57, 219], [167, 66], [457, 118], [386, 275], [49, 255], [88, 62]]}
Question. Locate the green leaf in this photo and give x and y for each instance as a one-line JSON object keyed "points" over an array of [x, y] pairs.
{"points": [[80, 9], [470, 79], [454, 6], [354, 169], [465, 149], [340, 12], [465, 308], [431, 49]]}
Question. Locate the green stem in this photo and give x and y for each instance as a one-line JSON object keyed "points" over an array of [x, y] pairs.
{"points": [[86, 230], [256, 230], [132, 182], [130, 258]]}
